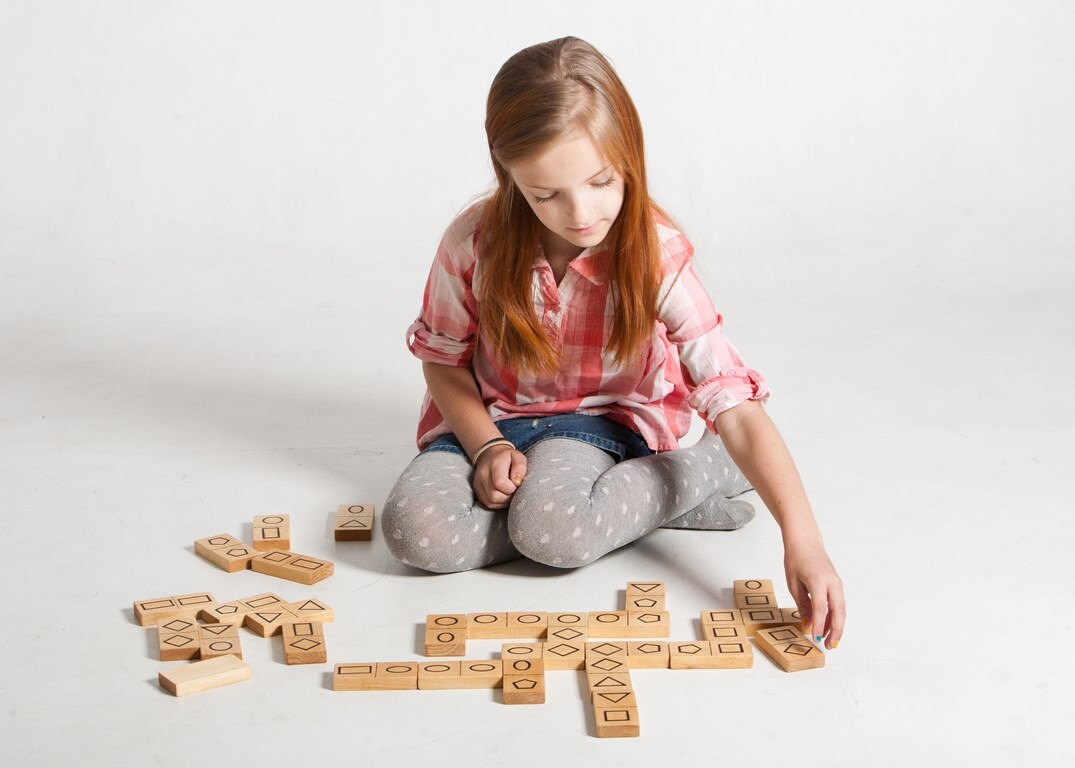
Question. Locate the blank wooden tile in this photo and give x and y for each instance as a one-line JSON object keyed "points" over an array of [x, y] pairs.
{"points": [[523, 625], [789, 649], [647, 655], [438, 676], [616, 722], [481, 673], [203, 675], [304, 642], [292, 566], [445, 642]]}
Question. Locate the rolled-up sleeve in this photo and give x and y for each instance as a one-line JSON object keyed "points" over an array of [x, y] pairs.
{"points": [[716, 376], [445, 331]]}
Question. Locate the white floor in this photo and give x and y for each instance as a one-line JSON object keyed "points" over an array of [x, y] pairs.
{"points": [[938, 485]]}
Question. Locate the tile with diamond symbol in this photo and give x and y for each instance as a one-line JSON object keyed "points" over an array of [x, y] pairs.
{"points": [[789, 649], [178, 646], [606, 664], [606, 649], [304, 642], [524, 681], [563, 654]]}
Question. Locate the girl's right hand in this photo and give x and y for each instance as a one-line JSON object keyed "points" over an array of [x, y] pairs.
{"points": [[499, 472]]}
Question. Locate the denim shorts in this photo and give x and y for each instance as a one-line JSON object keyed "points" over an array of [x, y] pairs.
{"points": [[601, 431]]}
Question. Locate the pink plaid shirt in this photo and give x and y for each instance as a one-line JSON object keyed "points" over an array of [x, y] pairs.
{"points": [[689, 363]]}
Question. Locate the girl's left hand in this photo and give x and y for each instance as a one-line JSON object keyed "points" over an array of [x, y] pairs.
{"points": [[818, 591]]}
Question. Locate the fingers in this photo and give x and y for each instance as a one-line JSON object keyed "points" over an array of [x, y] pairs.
{"points": [[837, 615], [517, 470], [819, 605], [802, 602]]}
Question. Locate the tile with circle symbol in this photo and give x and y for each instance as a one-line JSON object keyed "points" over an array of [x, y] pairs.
{"points": [[608, 624], [569, 619], [356, 510], [561, 654], [794, 617], [445, 642], [272, 532], [212, 647], [439, 676], [787, 647], [509, 651], [752, 586], [647, 655], [446, 621], [566, 634], [523, 625], [489, 626], [482, 673]]}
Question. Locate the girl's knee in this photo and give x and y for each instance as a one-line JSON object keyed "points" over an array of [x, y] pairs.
{"points": [[413, 538], [561, 546]]}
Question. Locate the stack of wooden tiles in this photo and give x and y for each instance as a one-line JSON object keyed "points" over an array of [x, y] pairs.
{"points": [[612, 695], [354, 522]]}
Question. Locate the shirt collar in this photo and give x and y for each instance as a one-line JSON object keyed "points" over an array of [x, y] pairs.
{"points": [[591, 264]]}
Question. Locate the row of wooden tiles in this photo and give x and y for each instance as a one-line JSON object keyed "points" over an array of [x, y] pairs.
{"points": [[231, 554], [453, 629], [161, 610]]}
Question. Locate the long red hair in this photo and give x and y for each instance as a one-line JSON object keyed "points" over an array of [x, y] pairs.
{"points": [[544, 94]]}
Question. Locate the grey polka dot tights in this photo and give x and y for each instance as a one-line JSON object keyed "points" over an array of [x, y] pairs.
{"points": [[575, 505]]}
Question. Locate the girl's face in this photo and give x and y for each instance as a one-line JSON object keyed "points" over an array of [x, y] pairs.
{"points": [[573, 190]]}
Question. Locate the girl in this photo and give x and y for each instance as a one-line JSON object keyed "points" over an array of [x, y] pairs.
{"points": [[565, 339]]}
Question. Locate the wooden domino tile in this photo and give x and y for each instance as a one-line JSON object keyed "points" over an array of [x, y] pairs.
{"points": [[645, 603], [204, 675], [613, 681], [292, 566], [579, 620], [695, 654], [648, 624], [608, 624], [606, 649], [564, 654], [645, 588], [439, 676], [755, 619], [752, 586], [446, 634], [354, 677], [225, 552], [792, 616], [755, 600], [272, 532], [219, 640], [486, 626], [606, 699], [616, 722], [354, 522], [481, 674], [304, 642], [731, 654], [376, 676], [524, 681], [445, 642], [269, 621], [177, 639], [235, 612], [566, 634], [647, 655], [724, 632], [313, 609], [524, 625], [150, 612], [789, 649], [510, 651], [606, 665]]}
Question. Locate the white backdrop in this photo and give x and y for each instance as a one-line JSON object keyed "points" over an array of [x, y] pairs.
{"points": [[216, 221]]}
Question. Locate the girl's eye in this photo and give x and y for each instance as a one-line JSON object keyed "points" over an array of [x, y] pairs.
{"points": [[606, 183], [540, 200]]}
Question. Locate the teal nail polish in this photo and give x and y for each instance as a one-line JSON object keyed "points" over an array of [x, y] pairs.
{"points": [[818, 638]]}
